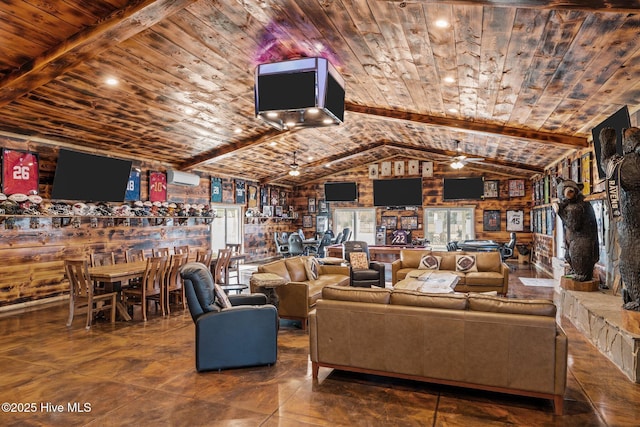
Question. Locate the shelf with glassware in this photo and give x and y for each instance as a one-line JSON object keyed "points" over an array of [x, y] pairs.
{"points": [[17, 222], [269, 213]]}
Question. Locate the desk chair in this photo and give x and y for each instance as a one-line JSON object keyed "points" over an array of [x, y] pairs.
{"points": [[295, 245], [82, 294], [282, 246], [506, 250], [204, 257]]}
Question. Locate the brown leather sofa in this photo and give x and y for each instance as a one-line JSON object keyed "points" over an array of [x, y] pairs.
{"points": [[469, 340], [492, 274], [299, 294]]}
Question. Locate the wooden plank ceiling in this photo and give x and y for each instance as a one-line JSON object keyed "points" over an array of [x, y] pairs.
{"points": [[519, 85]]}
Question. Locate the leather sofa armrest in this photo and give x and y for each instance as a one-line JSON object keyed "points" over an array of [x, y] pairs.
{"points": [[504, 270], [252, 299], [294, 299], [313, 336], [378, 266], [561, 361], [395, 266]]}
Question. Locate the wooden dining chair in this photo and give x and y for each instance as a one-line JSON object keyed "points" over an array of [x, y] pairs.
{"points": [[161, 252], [82, 294], [102, 258], [151, 288], [204, 257], [135, 255], [220, 274], [173, 281], [234, 264], [181, 250]]}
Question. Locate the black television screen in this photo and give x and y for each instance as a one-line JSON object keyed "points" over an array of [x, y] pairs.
{"points": [[340, 191], [89, 177], [335, 98], [287, 91], [619, 120], [397, 192], [463, 188]]}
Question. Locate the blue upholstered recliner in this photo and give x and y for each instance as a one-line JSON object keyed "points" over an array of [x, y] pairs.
{"points": [[245, 334]]}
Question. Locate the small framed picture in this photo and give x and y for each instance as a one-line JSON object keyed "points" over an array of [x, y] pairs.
{"points": [[391, 222], [267, 211], [515, 220], [373, 171], [516, 188], [385, 169], [409, 222], [427, 169], [413, 167], [278, 211], [586, 173], [576, 174], [307, 221], [312, 204], [491, 189], [322, 206], [491, 220], [398, 168]]}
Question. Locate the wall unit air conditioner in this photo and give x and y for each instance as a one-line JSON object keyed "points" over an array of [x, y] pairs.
{"points": [[182, 178]]}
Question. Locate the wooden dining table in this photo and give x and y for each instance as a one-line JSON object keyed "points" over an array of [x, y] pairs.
{"points": [[118, 273]]}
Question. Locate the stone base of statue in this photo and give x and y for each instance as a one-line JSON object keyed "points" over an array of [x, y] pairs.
{"points": [[631, 321], [570, 284]]}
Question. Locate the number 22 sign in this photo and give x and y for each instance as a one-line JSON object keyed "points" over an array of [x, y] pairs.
{"points": [[19, 172]]}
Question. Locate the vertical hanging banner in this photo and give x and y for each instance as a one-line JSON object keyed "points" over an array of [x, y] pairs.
{"points": [[133, 186], [216, 190], [157, 187], [19, 172], [240, 192]]}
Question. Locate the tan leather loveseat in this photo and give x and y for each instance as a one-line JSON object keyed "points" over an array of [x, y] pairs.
{"points": [[469, 340], [492, 274], [299, 294]]}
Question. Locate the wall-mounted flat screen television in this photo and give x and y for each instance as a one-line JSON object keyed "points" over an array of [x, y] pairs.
{"points": [[619, 121], [463, 188], [397, 192], [340, 191], [89, 177]]}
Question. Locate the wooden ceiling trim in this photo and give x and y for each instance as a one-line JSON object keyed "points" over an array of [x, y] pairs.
{"points": [[471, 127], [594, 5], [84, 45]]}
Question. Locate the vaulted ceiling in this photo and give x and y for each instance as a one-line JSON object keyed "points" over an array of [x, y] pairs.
{"points": [[518, 83]]}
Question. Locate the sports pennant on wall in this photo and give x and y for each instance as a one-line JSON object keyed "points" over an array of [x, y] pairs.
{"points": [[19, 172], [157, 187]]}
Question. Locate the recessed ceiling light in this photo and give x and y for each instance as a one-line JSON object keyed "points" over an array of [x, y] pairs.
{"points": [[453, 110], [310, 158], [273, 143], [449, 79], [290, 124], [442, 23], [313, 110], [111, 81], [327, 121], [237, 130], [189, 110], [272, 114]]}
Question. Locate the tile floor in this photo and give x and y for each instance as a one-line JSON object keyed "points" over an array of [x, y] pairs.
{"points": [[135, 373]]}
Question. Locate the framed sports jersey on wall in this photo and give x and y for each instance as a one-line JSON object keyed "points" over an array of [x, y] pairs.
{"points": [[133, 186], [19, 172], [157, 187]]}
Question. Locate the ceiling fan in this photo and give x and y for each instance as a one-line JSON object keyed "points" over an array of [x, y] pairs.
{"points": [[459, 161], [294, 167]]}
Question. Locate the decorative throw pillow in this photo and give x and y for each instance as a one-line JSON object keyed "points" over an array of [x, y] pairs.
{"points": [[312, 266], [430, 262], [359, 261], [221, 296], [466, 263]]}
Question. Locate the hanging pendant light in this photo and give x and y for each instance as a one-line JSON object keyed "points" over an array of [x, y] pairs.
{"points": [[294, 167]]}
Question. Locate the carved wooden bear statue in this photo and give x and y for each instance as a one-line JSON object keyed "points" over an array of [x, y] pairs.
{"points": [[580, 230], [623, 188]]}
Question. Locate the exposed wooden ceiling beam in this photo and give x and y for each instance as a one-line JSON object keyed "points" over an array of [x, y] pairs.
{"points": [[86, 44], [212, 155], [568, 141], [599, 5]]}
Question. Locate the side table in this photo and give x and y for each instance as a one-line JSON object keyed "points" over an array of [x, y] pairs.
{"points": [[267, 283], [237, 288]]}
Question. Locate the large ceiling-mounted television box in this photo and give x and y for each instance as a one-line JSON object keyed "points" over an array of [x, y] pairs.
{"points": [[301, 92]]}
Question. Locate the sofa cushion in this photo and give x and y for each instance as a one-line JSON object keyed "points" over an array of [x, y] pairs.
{"points": [[536, 307], [487, 278], [221, 297], [411, 258], [448, 261], [466, 263], [358, 261], [489, 261], [277, 267], [430, 262], [312, 268], [296, 268], [420, 299], [371, 295]]}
